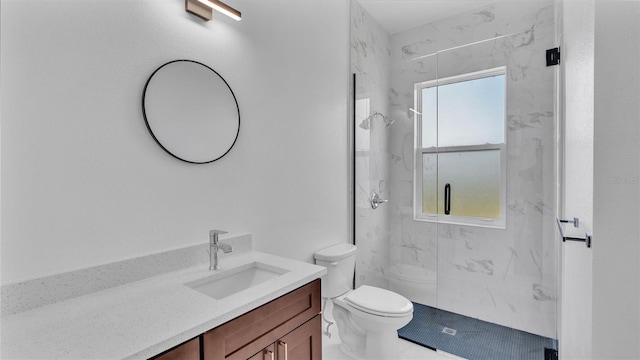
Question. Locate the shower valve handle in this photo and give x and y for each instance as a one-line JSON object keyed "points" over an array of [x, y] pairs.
{"points": [[376, 200]]}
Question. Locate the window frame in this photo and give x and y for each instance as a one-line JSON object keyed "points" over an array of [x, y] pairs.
{"points": [[419, 151]]}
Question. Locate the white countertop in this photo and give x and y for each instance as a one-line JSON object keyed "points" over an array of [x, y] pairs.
{"points": [[144, 318]]}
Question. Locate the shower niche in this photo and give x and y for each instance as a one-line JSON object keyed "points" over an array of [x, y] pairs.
{"points": [[467, 164]]}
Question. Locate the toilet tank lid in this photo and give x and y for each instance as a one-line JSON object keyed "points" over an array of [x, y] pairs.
{"points": [[335, 252]]}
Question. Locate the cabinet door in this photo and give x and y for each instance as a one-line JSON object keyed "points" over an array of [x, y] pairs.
{"points": [[187, 351], [245, 335], [268, 353], [303, 343]]}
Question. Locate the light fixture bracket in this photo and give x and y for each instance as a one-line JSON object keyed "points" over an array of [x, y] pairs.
{"points": [[198, 9], [204, 9]]}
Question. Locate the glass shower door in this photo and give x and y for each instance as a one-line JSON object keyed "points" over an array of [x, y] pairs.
{"points": [[495, 182]]}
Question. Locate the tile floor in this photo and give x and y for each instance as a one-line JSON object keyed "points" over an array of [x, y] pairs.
{"points": [[408, 350]]}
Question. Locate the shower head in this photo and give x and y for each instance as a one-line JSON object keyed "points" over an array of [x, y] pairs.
{"points": [[366, 123], [387, 121]]}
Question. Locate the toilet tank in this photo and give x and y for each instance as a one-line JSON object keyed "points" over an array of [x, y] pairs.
{"points": [[340, 261]]}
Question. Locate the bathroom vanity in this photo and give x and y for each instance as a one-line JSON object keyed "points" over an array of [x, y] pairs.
{"points": [[288, 327], [267, 308]]}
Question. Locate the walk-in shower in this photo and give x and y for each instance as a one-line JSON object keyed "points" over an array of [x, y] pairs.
{"points": [[468, 167]]}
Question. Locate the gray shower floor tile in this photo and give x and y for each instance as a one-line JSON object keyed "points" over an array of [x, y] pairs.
{"points": [[472, 338]]}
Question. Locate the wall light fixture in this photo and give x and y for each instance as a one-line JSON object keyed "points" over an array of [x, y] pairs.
{"points": [[204, 9]]}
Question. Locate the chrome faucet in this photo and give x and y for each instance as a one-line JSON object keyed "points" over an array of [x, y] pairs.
{"points": [[214, 245]]}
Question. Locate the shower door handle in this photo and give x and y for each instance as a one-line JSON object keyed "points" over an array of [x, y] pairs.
{"points": [[447, 199]]}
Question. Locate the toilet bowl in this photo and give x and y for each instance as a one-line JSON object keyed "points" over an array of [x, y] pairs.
{"points": [[368, 318]]}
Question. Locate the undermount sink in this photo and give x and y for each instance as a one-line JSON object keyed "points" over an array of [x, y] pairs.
{"points": [[232, 281]]}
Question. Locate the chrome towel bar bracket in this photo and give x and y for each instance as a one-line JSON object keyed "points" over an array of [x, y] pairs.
{"points": [[576, 223]]}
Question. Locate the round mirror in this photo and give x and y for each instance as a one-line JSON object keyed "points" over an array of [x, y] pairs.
{"points": [[191, 111]]}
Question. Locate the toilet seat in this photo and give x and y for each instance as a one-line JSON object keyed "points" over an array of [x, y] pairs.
{"points": [[379, 302]]}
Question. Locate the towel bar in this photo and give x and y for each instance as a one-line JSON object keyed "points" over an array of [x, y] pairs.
{"points": [[576, 223]]}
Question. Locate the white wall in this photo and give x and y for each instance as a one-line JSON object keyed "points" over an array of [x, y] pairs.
{"points": [[616, 181], [601, 289], [83, 182], [576, 270]]}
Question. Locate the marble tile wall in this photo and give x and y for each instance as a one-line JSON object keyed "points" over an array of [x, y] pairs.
{"points": [[371, 62], [506, 276]]}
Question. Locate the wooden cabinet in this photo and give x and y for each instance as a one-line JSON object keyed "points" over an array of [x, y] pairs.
{"points": [[287, 328], [268, 353], [249, 335], [303, 343], [189, 350]]}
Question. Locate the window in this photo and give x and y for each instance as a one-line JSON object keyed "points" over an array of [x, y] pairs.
{"points": [[460, 167]]}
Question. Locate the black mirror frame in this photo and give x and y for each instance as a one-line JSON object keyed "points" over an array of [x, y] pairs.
{"points": [[146, 121]]}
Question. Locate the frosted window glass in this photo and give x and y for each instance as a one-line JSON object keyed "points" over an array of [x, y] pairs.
{"points": [[429, 183], [474, 177]]}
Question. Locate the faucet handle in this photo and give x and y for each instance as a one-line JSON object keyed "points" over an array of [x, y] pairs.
{"points": [[213, 233]]}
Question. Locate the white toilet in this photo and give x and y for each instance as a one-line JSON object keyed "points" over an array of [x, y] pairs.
{"points": [[368, 317]]}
